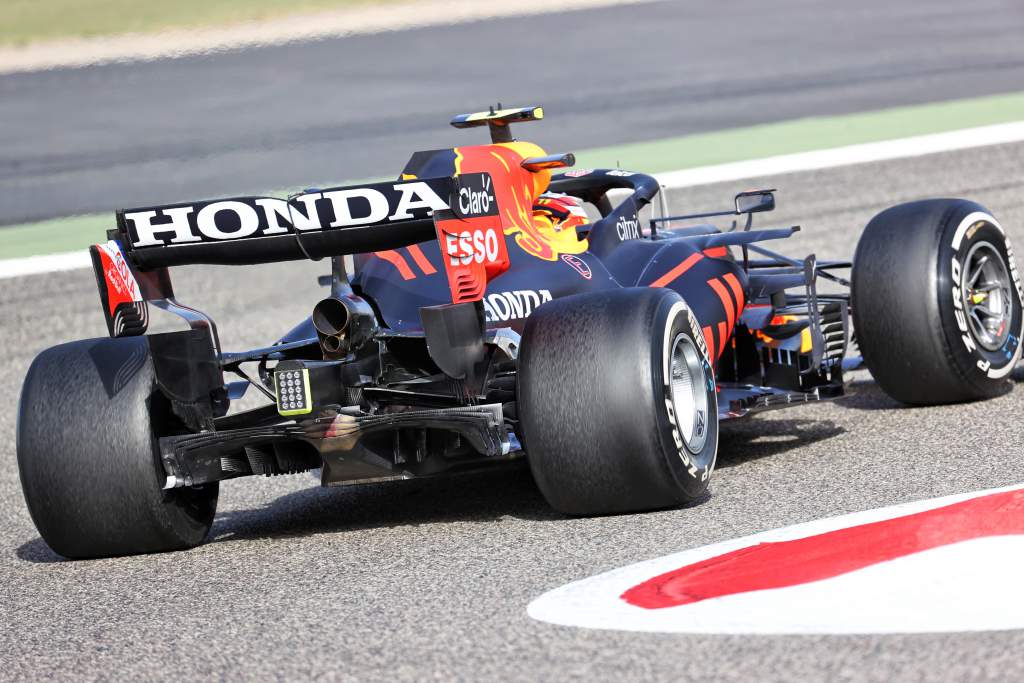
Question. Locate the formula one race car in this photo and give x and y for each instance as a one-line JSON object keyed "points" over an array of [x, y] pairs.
{"points": [[482, 310]]}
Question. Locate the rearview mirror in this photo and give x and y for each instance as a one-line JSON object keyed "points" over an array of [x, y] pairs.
{"points": [[755, 201]]}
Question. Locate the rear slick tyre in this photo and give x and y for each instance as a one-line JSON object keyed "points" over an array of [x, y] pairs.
{"points": [[617, 402], [937, 304], [87, 453]]}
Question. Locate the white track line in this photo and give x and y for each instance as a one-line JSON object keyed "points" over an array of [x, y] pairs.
{"points": [[705, 175], [174, 43], [48, 263], [847, 156]]}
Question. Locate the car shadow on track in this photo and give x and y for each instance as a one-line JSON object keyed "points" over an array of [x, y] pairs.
{"points": [[37, 552], [744, 440], [865, 394], [472, 497], [476, 497], [483, 496], [487, 495]]}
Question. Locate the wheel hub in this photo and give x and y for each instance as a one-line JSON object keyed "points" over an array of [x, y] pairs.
{"points": [[689, 397], [986, 295]]}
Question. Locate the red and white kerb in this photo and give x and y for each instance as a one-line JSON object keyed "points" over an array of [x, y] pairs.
{"points": [[940, 565]]}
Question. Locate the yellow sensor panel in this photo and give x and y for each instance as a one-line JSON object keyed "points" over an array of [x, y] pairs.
{"points": [[293, 395]]}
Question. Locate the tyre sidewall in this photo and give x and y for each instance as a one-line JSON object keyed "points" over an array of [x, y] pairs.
{"points": [[690, 469], [967, 225]]}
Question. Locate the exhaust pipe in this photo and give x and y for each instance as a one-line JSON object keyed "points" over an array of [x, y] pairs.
{"points": [[343, 324]]}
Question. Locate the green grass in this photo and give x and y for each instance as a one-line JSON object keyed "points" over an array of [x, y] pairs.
{"points": [[25, 21], [54, 236], [66, 234], [804, 135]]}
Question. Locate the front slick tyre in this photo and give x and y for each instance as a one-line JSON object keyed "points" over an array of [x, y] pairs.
{"points": [[617, 402], [937, 303], [88, 458]]}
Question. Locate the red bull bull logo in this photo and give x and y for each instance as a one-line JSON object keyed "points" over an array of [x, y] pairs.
{"points": [[516, 189]]}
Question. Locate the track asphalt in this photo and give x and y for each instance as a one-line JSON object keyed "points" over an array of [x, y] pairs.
{"points": [[86, 140], [430, 580]]}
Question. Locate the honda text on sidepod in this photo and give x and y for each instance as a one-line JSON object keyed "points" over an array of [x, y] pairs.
{"points": [[477, 316]]}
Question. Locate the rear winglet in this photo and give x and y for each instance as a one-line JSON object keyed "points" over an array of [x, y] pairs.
{"points": [[549, 162]]}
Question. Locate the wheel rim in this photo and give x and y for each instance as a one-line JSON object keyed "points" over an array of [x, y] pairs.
{"points": [[986, 295], [689, 397]]}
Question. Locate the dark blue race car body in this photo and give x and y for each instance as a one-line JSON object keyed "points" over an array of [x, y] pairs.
{"points": [[398, 343]]}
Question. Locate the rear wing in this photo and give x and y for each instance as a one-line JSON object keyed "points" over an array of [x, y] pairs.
{"points": [[313, 224], [461, 212]]}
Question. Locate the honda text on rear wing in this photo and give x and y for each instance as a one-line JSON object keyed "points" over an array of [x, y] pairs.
{"points": [[461, 211]]}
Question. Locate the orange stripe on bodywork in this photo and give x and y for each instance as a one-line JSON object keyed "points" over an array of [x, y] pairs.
{"points": [[716, 252], [723, 333], [671, 275], [421, 259], [723, 294], [398, 261], [709, 339], [737, 291]]}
